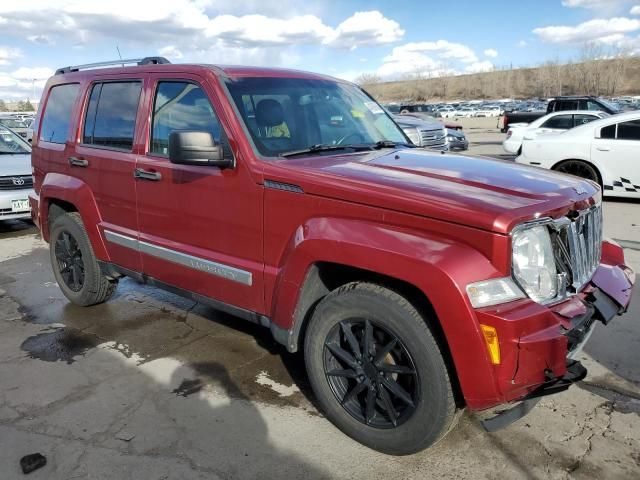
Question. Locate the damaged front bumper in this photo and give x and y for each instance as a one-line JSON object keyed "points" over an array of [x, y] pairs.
{"points": [[540, 344]]}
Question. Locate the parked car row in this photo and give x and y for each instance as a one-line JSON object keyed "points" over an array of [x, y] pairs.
{"points": [[16, 124]]}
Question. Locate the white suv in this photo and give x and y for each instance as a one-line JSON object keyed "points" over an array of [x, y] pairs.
{"points": [[16, 182]]}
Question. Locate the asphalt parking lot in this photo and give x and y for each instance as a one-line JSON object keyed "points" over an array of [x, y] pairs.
{"points": [[152, 386]]}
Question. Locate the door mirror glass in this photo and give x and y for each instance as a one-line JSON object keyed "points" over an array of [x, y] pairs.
{"points": [[196, 148]]}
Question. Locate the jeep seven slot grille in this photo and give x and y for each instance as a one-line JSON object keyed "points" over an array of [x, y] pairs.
{"points": [[577, 243]]}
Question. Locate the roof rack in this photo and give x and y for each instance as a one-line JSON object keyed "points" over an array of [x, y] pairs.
{"points": [[136, 61]]}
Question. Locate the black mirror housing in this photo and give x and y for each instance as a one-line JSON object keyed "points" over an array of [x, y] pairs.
{"points": [[193, 147]]}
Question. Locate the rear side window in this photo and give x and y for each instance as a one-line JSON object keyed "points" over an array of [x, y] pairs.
{"points": [[562, 122], [111, 115], [629, 130], [581, 119], [57, 114], [608, 132], [180, 106]]}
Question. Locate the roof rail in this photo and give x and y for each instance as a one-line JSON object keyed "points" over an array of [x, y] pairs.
{"points": [[137, 61]]}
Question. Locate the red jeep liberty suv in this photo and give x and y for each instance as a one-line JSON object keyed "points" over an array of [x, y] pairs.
{"points": [[416, 283]]}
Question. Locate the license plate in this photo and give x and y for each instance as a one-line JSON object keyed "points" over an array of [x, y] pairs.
{"points": [[20, 205]]}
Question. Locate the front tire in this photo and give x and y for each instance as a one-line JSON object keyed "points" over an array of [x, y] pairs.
{"points": [[579, 168], [377, 371], [75, 265]]}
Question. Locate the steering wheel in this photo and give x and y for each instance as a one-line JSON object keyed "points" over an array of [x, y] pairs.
{"points": [[349, 135]]}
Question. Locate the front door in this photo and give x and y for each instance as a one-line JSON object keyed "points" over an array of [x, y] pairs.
{"points": [[200, 227]]}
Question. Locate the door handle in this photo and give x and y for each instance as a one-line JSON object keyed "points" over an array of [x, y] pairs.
{"points": [[603, 149], [140, 173], [78, 162]]}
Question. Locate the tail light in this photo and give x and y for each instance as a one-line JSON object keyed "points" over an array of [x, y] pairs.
{"points": [[509, 133]]}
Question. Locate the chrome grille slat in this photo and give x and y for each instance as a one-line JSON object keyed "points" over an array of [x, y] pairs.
{"points": [[578, 246], [432, 138]]}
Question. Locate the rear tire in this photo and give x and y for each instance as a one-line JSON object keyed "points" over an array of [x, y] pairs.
{"points": [[75, 265], [407, 403]]}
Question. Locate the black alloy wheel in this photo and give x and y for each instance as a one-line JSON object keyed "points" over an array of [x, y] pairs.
{"points": [[371, 373], [70, 262], [579, 169]]}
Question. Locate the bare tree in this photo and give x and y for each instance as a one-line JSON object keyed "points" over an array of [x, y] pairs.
{"points": [[368, 79]]}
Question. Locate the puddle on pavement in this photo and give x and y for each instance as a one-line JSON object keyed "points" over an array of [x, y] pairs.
{"points": [[146, 324], [61, 344]]}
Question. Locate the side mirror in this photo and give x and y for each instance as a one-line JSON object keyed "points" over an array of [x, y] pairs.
{"points": [[191, 147]]}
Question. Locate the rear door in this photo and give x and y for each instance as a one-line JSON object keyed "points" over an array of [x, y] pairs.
{"points": [[200, 226], [617, 154], [105, 158]]}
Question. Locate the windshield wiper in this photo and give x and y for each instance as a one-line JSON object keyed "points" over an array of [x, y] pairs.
{"points": [[389, 144], [321, 147], [316, 148]]}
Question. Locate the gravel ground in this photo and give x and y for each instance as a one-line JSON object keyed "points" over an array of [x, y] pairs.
{"points": [[152, 386]]}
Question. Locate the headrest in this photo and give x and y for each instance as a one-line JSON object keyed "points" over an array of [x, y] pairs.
{"points": [[269, 113]]}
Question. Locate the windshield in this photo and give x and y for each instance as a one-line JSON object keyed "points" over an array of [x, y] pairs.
{"points": [[10, 143], [12, 123], [609, 105], [287, 114]]}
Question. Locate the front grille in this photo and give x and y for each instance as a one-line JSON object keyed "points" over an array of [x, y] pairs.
{"points": [[433, 138], [16, 182], [577, 242]]}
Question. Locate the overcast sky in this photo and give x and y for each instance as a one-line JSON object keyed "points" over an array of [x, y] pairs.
{"points": [[342, 38]]}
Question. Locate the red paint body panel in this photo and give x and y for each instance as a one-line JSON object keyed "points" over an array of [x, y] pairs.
{"points": [[437, 222]]}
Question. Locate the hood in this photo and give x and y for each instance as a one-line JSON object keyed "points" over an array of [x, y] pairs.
{"points": [[455, 133], [404, 121], [18, 164], [489, 194]]}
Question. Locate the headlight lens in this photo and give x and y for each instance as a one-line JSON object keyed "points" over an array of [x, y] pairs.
{"points": [[534, 266], [413, 135]]}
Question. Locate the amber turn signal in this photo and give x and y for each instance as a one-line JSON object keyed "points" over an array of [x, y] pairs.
{"points": [[491, 339]]}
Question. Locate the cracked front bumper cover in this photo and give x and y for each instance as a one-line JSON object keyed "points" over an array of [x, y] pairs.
{"points": [[575, 373]]}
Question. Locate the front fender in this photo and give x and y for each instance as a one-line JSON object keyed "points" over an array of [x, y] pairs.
{"points": [[440, 267], [57, 186]]}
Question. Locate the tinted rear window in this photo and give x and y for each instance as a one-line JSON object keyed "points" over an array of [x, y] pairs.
{"points": [[57, 114], [629, 130], [608, 132], [111, 114]]}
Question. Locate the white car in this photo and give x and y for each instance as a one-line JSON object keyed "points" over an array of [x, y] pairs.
{"points": [[446, 111], [16, 182], [489, 111], [465, 112], [605, 151], [553, 123]]}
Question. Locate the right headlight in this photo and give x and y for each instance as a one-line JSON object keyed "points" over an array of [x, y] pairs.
{"points": [[413, 134], [533, 263]]}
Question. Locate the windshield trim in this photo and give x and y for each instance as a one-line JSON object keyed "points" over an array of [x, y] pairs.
{"points": [[222, 79]]}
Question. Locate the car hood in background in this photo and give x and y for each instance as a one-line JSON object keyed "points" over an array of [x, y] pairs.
{"points": [[489, 194], [17, 164], [417, 123]]}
